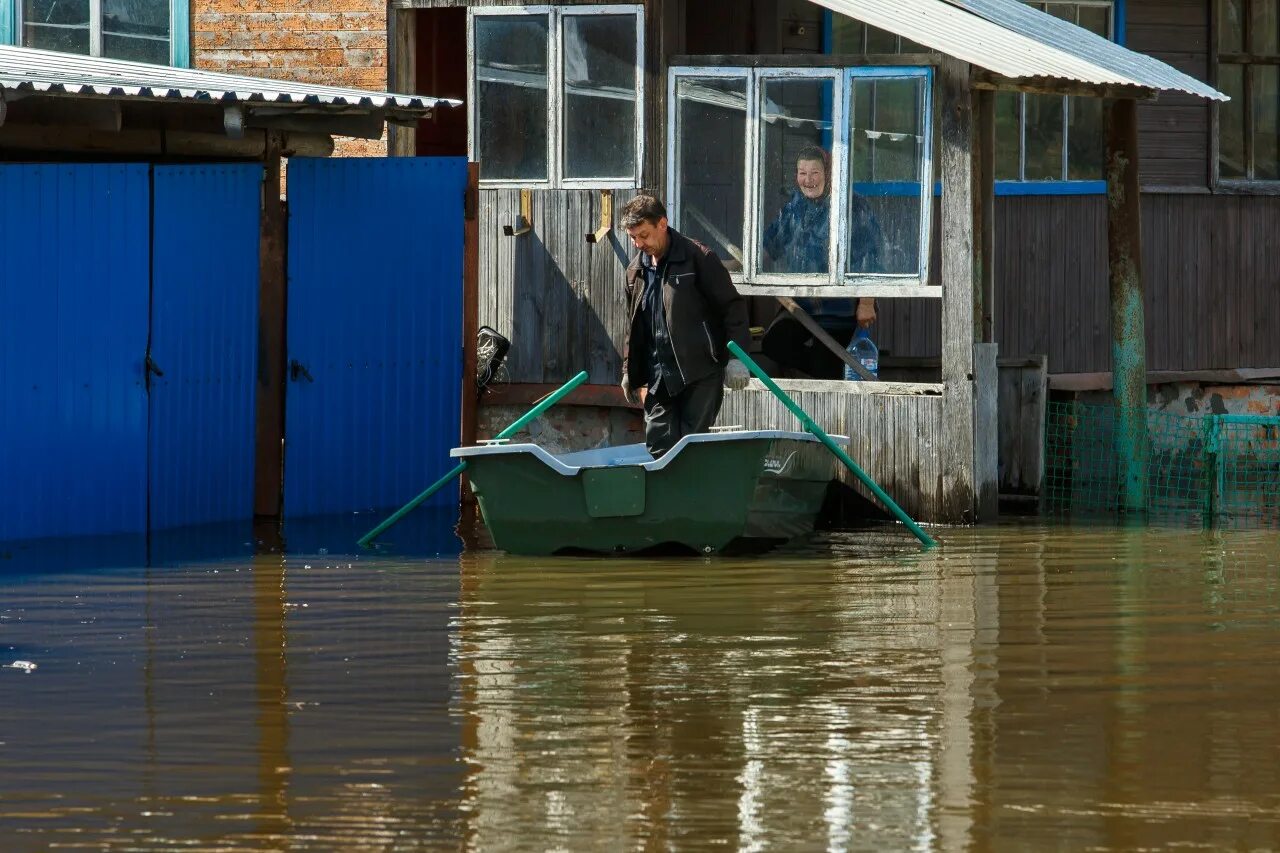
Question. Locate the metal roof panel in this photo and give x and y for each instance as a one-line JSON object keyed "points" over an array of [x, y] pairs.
{"points": [[1010, 38], [32, 70]]}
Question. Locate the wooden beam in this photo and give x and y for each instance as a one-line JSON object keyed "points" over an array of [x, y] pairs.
{"points": [[872, 287], [528, 393], [984, 158], [820, 334], [959, 322], [1128, 320], [988, 80], [368, 126], [470, 315], [157, 143], [402, 75], [89, 113], [808, 60], [272, 286]]}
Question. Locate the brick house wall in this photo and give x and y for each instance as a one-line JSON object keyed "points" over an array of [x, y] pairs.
{"points": [[327, 42]]}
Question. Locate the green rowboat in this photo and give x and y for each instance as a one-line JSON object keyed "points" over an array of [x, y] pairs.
{"points": [[726, 490]]}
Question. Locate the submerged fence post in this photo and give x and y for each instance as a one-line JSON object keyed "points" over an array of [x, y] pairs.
{"points": [[1128, 322]]}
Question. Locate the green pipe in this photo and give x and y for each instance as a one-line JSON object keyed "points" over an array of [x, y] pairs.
{"points": [[836, 449], [529, 416]]}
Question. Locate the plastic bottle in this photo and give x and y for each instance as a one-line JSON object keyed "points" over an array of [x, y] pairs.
{"points": [[866, 352]]}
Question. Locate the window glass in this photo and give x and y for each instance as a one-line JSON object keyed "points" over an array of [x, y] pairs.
{"points": [[1266, 98], [847, 35], [1096, 19], [1008, 109], [1263, 29], [1043, 138], [136, 30], [711, 132], [1231, 26], [56, 25], [511, 96], [1087, 140], [795, 172], [879, 41], [1231, 155], [600, 96], [886, 154]]}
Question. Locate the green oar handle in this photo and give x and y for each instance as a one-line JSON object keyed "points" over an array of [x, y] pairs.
{"points": [[529, 416], [836, 449]]}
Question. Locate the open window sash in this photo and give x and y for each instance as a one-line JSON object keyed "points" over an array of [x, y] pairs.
{"points": [[741, 243]]}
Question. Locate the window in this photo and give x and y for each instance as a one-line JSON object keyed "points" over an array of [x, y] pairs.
{"points": [[1248, 33], [1039, 138], [151, 31], [806, 181], [556, 95]]}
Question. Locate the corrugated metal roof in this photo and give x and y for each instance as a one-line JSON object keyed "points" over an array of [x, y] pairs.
{"points": [[30, 70], [1010, 38]]}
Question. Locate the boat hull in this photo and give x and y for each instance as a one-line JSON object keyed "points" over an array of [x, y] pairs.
{"points": [[709, 494]]}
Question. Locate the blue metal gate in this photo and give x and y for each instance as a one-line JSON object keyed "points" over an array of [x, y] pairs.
{"points": [[73, 332], [204, 343], [374, 331]]}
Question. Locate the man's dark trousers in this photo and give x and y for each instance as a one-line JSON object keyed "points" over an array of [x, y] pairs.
{"points": [[667, 419]]}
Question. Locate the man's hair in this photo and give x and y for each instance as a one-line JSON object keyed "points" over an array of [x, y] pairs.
{"points": [[816, 154], [642, 208]]}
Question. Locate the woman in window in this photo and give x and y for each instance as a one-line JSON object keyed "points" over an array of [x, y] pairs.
{"points": [[798, 241]]}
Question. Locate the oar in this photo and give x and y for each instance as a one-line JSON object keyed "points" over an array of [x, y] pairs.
{"points": [[546, 403], [836, 449]]}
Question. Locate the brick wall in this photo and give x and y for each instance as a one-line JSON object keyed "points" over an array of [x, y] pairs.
{"points": [[328, 42]]}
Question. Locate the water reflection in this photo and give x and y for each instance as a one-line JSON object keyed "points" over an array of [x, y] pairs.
{"points": [[1022, 688], [689, 703]]}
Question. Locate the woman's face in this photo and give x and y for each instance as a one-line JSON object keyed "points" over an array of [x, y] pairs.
{"points": [[811, 178]]}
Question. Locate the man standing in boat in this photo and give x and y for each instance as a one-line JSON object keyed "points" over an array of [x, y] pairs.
{"points": [[683, 311]]}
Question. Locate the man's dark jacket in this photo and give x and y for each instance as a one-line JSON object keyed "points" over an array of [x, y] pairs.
{"points": [[704, 311]]}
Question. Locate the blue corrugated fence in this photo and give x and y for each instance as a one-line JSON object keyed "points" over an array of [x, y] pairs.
{"points": [[374, 331]]}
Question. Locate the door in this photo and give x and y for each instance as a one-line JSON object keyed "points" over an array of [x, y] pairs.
{"points": [[373, 404], [73, 334], [204, 343]]}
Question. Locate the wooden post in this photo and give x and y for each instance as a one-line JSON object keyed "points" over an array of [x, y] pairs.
{"points": [[470, 314], [959, 319], [986, 452], [1128, 321], [984, 157], [402, 74], [272, 289]]}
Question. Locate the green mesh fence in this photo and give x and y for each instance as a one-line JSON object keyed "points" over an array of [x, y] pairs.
{"points": [[1215, 469]]}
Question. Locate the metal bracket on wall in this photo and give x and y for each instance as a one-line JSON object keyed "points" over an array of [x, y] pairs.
{"points": [[606, 218], [524, 222]]}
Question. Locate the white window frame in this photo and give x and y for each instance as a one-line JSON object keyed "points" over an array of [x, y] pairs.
{"points": [[836, 283], [178, 44], [556, 142]]}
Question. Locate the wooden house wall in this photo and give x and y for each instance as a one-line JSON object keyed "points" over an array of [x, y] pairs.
{"points": [[1211, 284], [1174, 141], [558, 298], [897, 440]]}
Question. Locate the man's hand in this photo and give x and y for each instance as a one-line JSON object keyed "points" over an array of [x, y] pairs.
{"points": [[627, 394], [866, 314], [736, 375]]}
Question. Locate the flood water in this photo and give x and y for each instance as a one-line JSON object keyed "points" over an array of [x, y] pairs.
{"points": [[1026, 687]]}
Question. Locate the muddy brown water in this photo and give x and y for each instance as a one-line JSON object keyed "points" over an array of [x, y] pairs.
{"points": [[1026, 687]]}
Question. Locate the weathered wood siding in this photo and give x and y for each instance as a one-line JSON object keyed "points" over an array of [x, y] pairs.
{"points": [[558, 298], [897, 440], [1173, 130], [1212, 284]]}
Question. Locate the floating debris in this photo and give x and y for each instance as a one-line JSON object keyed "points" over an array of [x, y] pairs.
{"points": [[25, 665]]}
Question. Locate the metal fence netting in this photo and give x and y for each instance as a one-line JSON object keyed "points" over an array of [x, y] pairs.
{"points": [[1216, 469]]}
